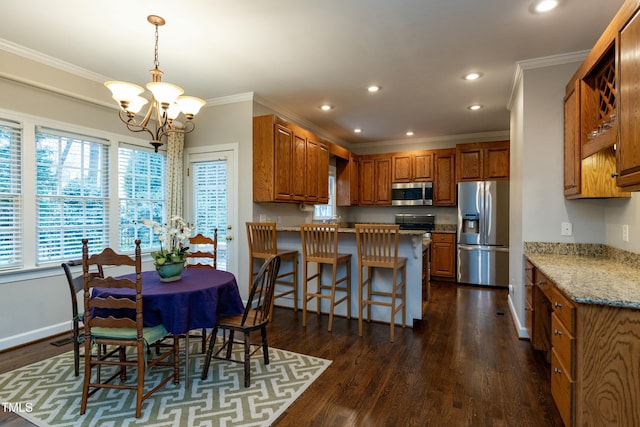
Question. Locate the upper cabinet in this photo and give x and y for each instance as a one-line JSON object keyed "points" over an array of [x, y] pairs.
{"points": [[444, 184], [628, 150], [347, 178], [412, 166], [601, 113], [290, 164], [375, 180], [483, 161]]}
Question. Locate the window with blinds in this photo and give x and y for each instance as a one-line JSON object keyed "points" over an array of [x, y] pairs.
{"points": [[141, 179], [210, 203], [10, 195], [72, 194]]}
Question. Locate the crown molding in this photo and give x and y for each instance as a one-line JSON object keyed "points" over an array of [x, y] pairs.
{"points": [[50, 61], [546, 61]]}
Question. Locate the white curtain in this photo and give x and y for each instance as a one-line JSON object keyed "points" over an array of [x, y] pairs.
{"points": [[175, 154]]}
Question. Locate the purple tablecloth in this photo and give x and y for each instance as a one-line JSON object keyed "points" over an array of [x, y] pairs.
{"points": [[193, 302]]}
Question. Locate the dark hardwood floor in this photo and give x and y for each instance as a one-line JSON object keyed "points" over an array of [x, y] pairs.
{"points": [[464, 366]]}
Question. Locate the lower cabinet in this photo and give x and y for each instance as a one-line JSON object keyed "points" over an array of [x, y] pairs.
{"points": [[443, 255], [594, 355]]}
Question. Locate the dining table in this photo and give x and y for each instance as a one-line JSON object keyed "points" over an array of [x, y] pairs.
{"points": [[193, 302]]}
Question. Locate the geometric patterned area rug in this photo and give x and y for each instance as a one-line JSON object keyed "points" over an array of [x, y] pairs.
{"points": [[47, 393]]}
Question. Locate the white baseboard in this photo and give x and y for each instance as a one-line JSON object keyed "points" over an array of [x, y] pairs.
{"points": [[522, 330], [34, 335]]}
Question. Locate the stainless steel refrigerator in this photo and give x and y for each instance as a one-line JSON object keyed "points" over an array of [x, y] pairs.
{"points": [[483, 233]]}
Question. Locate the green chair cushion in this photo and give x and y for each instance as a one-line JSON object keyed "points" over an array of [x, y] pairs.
{"points": [[150, 335]]}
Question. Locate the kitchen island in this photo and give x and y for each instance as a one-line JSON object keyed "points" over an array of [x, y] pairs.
{"points": [[584, 305], [411, 246]]}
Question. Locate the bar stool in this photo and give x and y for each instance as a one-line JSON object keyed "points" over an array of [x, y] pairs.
{"points": [[378, 248], [263, 244], [320, 245]]}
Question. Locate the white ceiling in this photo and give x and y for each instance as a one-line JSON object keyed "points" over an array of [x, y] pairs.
{"points": [[298, 54]]}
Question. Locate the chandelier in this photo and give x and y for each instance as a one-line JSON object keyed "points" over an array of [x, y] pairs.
{"points": [[167, 102]]}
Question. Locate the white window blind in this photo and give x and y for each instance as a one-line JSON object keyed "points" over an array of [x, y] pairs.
{"points": [[10, 195], [141, 182], [210, 202], [72, 194]]}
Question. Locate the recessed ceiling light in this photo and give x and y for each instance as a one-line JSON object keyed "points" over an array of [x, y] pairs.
{"points": [[374, 88], [474, 107], [326, 107], [409, 133], [473, 76], [542, 6], [357, 130]]}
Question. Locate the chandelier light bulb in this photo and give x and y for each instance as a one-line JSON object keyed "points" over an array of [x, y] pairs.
{"points": [[136, 104], [190, 105], [123, 91], [165, 93]]}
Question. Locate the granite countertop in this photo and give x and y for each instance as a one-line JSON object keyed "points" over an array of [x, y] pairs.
{"points": [[604, 276]]}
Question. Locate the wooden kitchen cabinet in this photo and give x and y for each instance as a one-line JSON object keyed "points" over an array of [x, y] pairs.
{"points": [[602, 146], [529, 311], [628, 66], [482, 161], [317, 176], [444, 183], [413, 166], [594, 355], [375, 180], [443, 255], [589, 159], [290, 164], [347, 179]]}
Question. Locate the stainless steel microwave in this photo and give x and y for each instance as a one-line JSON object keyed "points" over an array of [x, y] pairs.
{"points": [[412, 194]]}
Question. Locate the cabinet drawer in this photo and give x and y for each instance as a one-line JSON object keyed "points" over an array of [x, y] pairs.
{"points": [[565, 309], [545, 285], [562, 390], [564, 344], [442, 237]]}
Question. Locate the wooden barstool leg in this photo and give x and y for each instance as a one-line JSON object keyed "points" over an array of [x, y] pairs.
{"points": [[394, 292], [305, 290], [348, 264], [334, 277], [295, 283], [360, 306]]}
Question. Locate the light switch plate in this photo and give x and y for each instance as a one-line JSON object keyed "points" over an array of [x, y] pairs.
{"points": [[567, 229], [625, 233]]}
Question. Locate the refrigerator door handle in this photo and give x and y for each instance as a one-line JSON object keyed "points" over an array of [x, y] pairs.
{"points": [[484, 248]]}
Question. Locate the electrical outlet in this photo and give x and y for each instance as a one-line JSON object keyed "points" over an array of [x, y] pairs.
{"points": [[625, 233], [567, 229]]}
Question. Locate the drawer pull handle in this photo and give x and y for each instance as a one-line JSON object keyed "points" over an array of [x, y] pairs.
{"points": [[557, 333], [541, 283], [557, 305], [557, 371]]}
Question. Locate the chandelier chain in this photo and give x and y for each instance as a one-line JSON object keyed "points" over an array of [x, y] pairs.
{"points": [[155, 59]]}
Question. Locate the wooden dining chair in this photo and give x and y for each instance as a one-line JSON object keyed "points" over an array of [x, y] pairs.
{"points": [[203, 253], [77, 316], [255, 318], [378, 248], [263, 244], [320, 246], [107, 321]]}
